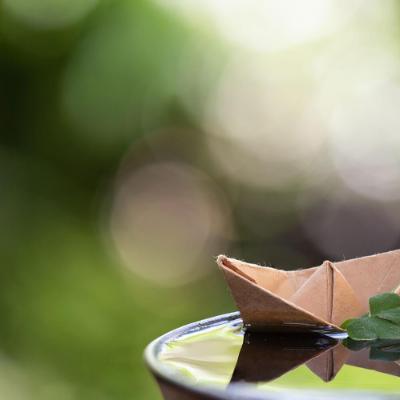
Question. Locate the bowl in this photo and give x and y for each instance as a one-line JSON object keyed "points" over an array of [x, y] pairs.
{"points": [[260, 356]]}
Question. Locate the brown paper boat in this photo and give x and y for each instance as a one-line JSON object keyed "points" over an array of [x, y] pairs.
{"points": [[315, 298]]}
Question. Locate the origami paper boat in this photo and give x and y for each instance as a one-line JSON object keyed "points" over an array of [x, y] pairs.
{"points": [[315, 298]]}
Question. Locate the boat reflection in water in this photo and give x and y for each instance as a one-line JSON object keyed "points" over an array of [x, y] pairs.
{"points": [[264, 358]]}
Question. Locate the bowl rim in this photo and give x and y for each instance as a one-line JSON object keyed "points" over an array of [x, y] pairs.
{"points": [[165, 373], [153, 349]]}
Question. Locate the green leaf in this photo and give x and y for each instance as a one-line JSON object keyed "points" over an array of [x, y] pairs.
{"points": [[383, 302], [392, 315], [383, 321], [361, 329], [385, 329], [346, 323], [371, 328]]}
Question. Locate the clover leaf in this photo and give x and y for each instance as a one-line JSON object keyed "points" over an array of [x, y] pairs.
{"points": [[383, 321], [392, 315], [383, 302], [371, 328]]}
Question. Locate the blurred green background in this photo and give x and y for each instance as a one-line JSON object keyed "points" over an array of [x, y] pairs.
{"points": [[140, 139]]}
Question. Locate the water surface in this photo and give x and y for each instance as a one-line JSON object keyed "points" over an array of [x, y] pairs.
{"points": [[223, 356]]}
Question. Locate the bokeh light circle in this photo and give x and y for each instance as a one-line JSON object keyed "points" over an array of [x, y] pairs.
{"points": [[366, 144], [168, 221], [262, 129]]}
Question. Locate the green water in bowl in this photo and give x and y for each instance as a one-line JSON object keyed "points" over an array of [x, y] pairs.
{"points": [[219, 357]]}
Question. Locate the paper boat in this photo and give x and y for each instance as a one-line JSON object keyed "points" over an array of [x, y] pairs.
{"points": [[317, 298]]}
